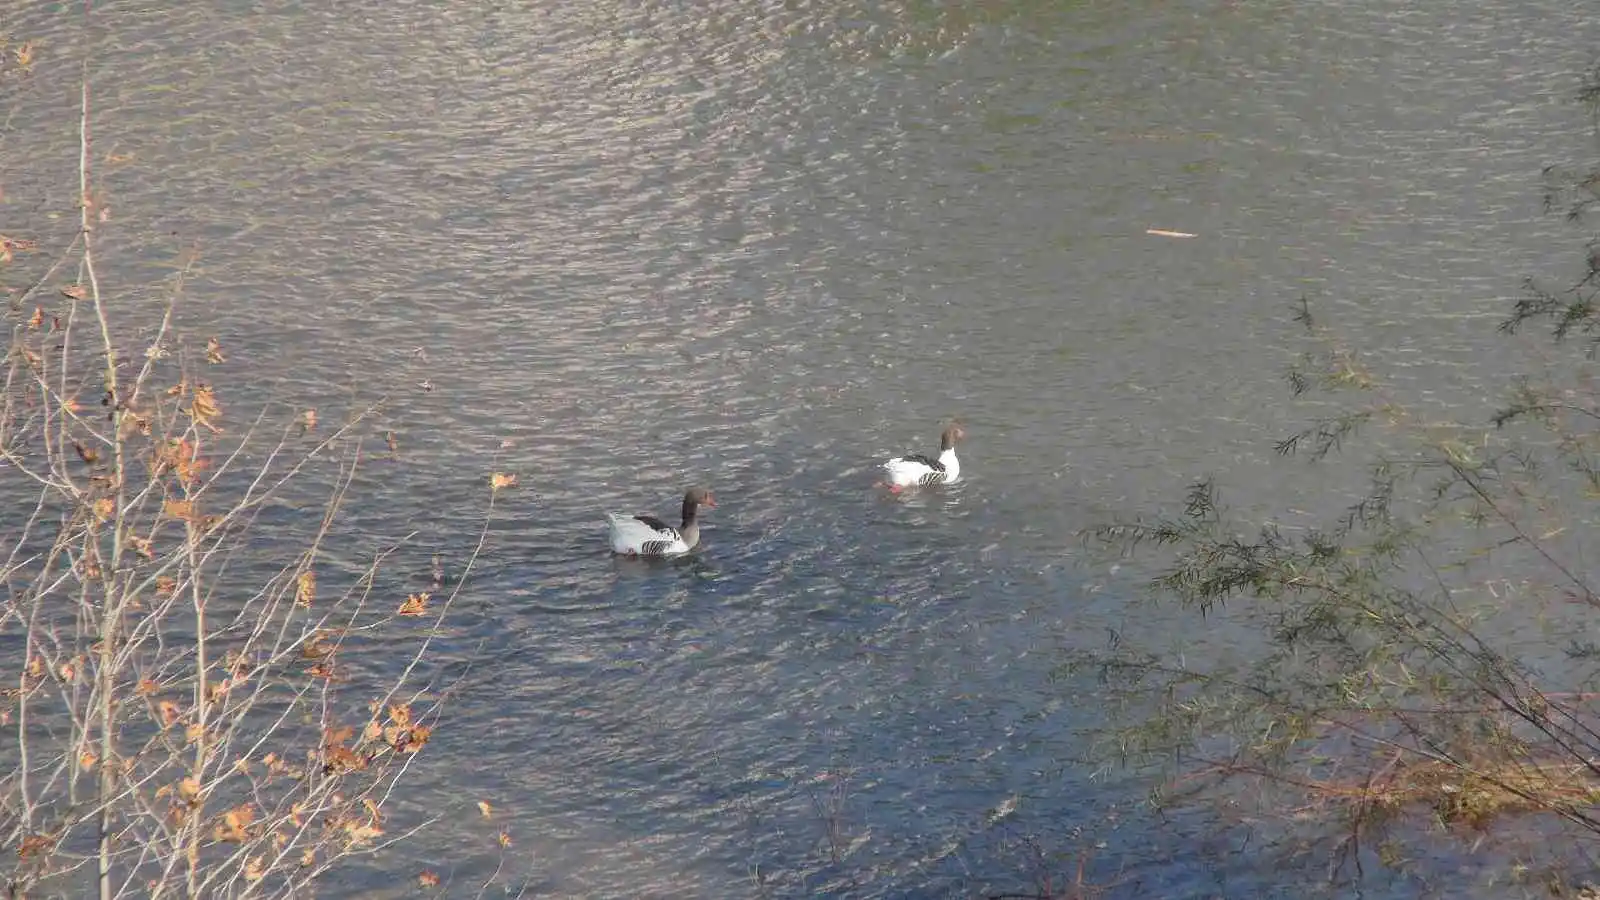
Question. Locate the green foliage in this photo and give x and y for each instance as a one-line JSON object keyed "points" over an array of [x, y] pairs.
{"points": [[1387, 683]]}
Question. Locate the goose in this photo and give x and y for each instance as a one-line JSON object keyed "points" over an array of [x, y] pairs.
{"points": [[649, 536], [916, 470]]}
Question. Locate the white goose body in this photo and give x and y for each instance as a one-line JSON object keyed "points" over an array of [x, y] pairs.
{"points": [[916, 470], [649, 536]]}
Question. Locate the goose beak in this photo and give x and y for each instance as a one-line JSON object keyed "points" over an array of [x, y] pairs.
{"points": [[710, 502]]}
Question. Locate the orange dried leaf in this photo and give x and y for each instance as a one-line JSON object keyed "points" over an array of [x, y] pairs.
{"points": [[427, 879], [500, 480], [179, 509], [103, 508], [165, 585], [146, 687], [255, 869], [203, 407], [214, 352], [505, 839], [169, 713], [308, 858], [234, 824], [35, 843], [305, 587], [400, 714], [192, 732], [88, 454], [189, 789], [86, 759], [37, 318], [485, 808], [415, 604]]}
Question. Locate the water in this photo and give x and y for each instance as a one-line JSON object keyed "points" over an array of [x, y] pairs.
{"points": [[631, 247]]}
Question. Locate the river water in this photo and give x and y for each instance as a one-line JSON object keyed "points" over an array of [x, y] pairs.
{"points": [[619, 248]]}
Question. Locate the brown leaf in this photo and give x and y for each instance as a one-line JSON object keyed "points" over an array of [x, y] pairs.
{"points": [[189, 789], [203, 407], [308, 420], [501, 480], [141, 546], [305, 587], [214, 352], [393, 441], [400, 714], [88, 454], [255, 869], [170, 713], [234, 824], [427, 879], [505, 839], [308, 858], [415, 604], [165, 585], [485, 808], [146, 687], [35, 843], [103, 508], [75, 291], [37, 318], [86, 759], [179, 509]]}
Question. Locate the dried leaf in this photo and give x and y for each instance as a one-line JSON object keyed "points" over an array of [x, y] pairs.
{"points": [[180, 458], [255, 869], [308, 858], [37, 318], [146, 687], [165, 585], [501, 480], [400, 714], [427, 879], [393, 441], [141, 546], [214, 352], [203, 407], [86, 759], [103, 508], [192, 732], [234, 824], [505, 839], [362, 832], [305, 587], [170, 713], [189, 789], [179, 509], [88, 454], [308, 420], [415, 604], [485, 808], [75, 291], [35, 843]]}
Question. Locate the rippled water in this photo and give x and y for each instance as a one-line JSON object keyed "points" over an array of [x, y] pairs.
{"points": [[761, 247]]}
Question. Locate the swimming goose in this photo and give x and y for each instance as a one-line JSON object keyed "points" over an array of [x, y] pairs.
{"points": [[916, 469], [649, 536]]}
